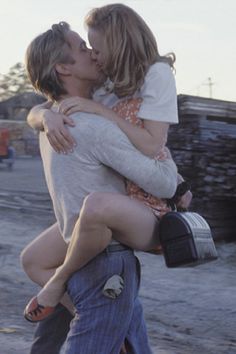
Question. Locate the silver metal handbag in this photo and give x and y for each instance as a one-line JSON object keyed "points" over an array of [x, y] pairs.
{"points": [[186, 239]]}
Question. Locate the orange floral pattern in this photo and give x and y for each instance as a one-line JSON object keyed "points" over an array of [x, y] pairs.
{"points": [[128, 109]]}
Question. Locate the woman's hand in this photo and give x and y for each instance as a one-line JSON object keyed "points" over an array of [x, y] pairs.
{"points": [[79, 104], [54, 125]]}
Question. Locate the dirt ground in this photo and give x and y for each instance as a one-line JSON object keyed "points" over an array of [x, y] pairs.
{"points": [[188, 310]]}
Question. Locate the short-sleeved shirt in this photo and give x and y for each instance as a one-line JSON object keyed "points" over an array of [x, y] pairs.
{"points": [[158, 93]]}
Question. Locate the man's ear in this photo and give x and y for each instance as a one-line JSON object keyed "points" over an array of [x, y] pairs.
{"points": [[62, 69]]}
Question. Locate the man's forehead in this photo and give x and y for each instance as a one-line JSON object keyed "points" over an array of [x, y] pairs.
{"points": [[74, 38]]}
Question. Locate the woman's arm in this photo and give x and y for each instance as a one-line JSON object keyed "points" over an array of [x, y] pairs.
{"points": [[54, 124], [35, 117], [149, 140]]}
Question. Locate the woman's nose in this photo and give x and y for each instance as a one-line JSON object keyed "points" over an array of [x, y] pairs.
{"points": [[93, 55]]}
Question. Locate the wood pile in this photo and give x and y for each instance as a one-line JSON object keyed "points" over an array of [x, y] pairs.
{"points": [[204, 148]]}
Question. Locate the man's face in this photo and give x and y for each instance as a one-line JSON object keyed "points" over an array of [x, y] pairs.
{"points": [[84, 67]]}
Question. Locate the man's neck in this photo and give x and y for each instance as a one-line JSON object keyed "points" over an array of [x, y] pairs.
{"points": [[82, 89]]}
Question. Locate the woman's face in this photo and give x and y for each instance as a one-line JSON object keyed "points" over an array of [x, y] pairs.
{"points": [[97, 44]]}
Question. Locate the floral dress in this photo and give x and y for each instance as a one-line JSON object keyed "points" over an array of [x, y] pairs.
{"points": [[128, 109]]}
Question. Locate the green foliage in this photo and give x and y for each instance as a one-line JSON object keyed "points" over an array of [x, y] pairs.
{"points": [[14, 82]]}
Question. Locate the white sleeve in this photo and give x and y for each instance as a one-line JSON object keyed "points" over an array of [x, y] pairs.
{"points": [[113, 148], [159, 95]]}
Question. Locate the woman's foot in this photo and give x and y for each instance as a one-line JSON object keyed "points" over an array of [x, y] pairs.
{"points": [[34, 312], [42, 305]]}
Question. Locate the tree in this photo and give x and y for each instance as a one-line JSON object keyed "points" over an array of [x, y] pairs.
{"points": [[14, 82]]}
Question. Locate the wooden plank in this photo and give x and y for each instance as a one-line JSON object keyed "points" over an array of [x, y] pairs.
{"points": [[206, 106]]}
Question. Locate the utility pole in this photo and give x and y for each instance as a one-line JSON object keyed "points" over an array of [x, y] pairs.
{"points": [[210, 84]]}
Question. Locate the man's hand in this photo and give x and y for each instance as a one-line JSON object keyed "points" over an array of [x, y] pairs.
{"points": [[54, 125], [184, 201]]}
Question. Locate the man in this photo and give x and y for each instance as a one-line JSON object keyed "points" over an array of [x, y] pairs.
{"points": [[59, 65]]}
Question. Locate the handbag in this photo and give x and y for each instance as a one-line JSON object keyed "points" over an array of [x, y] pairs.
{"points": [[185, 237]]}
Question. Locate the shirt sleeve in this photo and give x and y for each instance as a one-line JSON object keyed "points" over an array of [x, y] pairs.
{"points": [[112, 148], [159, 95]]}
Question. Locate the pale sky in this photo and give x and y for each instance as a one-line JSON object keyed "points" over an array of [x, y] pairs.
{"points": [[200, 32]]}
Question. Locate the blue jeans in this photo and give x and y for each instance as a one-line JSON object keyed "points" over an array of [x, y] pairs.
{"points": [[102, 324], [51, 333]]}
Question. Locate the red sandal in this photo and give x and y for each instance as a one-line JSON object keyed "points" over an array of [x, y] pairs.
{"points": [[34, 312]]}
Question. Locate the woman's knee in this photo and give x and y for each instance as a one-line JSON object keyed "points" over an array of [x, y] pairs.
{"points": [[27, 260], [31, 260]]}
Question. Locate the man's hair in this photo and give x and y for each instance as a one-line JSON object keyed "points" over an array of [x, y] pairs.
{"points": [[42, 55], [130, 46]]}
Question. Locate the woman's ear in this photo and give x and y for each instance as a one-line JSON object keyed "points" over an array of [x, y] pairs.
{"points": [[62, 69]]}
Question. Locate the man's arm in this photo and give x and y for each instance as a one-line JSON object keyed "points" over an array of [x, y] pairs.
{"points": [[112, 148]]}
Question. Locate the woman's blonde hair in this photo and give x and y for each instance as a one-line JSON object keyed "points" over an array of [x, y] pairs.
{"points": [[42, 55], [130, 46]]}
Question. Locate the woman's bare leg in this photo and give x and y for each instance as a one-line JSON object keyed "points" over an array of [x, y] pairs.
{"points": [[131, 222], [43, 256]]}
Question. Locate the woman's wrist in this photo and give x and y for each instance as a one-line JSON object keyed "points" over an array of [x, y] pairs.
{"points": [[100, 109], [108, 113]]}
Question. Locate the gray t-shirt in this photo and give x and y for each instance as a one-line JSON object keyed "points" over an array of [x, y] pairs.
{"points": [[102, 149]]}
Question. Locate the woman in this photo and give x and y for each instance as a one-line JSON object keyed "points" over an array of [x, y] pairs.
{"points": [[126, 50]]}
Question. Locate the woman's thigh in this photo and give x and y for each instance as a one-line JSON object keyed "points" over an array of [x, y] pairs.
{"points": [[132, 222], [48, 250]]}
